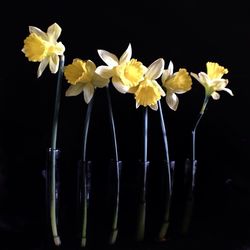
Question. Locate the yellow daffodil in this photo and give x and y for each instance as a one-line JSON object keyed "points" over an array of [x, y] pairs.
{"points": [[148, 92], [43, 47], [212, 80], [81, 74], [124, 72], [175, 83]]}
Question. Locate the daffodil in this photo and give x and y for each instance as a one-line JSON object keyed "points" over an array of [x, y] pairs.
{"points": [[83, 78], [175, 83], [43, 47], [213, 82], [149, 92], [124, 72]]}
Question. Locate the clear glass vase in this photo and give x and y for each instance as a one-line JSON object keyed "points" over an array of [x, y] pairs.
{"points": [[52, 198]]}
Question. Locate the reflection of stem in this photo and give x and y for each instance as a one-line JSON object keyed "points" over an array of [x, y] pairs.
{"points": [[142, 196], [53, 197], [84, 171], [165, 225], [114, 231]]}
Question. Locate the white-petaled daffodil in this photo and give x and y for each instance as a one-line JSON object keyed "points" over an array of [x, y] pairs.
{"points": [[149, 92], [83, 78], [124, 72], [175, 83], [43, 47], [212, 80]]}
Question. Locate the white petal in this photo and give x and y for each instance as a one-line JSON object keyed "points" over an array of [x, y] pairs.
{"points": [[154, 107], [119, 86], [165, 75], [88, 92], [126, 56], [99, 81], [74, 90], [215, 95], [37, 31], [54, 31], [43, 64], [172, 101], [109, 58], [155, 69], [104, 71], [171, 68], [229, 91], [54, 63]]}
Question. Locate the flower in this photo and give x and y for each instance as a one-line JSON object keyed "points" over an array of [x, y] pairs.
{"points": [[124, 72], [212, 81], [43, 47], [175, 83], [83, 78], [149, 92]]}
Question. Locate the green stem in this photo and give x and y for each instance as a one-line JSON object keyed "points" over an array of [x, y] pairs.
{"points": [[53, 198]]}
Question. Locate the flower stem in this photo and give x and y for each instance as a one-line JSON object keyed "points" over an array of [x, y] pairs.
{"points": [[165, 224], [114, 230], [190, 196], [142, 195], [53, 195], [194, 161], [84, 184]]}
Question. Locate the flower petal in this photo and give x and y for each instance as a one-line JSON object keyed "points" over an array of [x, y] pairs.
{"points": [[172, 101], [165, 75], [88, 92], [54, 31], [43, 64], [154, 107], [171, 68], [39, 32], [109, 58], [126, 56], [74, 90], [119, 85], [99, 81], [229, 91], [54, 63], [215, 95], [155, 69], [104, 71]]}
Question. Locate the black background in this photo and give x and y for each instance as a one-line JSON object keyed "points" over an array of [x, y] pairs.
{"points": [[189, 34]]}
